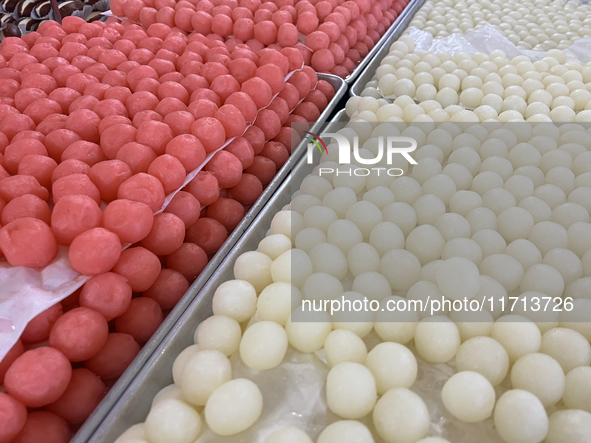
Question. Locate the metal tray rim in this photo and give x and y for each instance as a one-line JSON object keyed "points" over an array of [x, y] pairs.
{"points": [[119, 388]]}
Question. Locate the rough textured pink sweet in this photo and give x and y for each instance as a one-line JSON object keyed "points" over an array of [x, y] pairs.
{"points": [[168, 289], [167, 234], [28, 242], [226, 168], [130, 220], [141, 319], [143, 188], [109, 294], [95, 251], [139, 266]]}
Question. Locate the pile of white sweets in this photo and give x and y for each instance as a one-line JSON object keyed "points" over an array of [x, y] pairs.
{"points": [[489, 211], [539, 25], [427, 87]]}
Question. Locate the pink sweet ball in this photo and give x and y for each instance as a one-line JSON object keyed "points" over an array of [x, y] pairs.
{"points": [[17, 185], [186, 207], [13, 417], [245, 105], [95, 251], [38, 328], [280, 107], [226, 168], [208, 234], [143, 188], [232, 120], [210, 132], [256, 138], [74, 184], [248, 190], [79, 334], [109, 294], [141, 319], [17, 150], [167, 234], [72, 215], [263, 168], [87, 152], [242, 149], [189, 260], [38, 377], [242, 69], [27, 205], [200, 108], [82, 396], [169, 170], [28, 242], [204, 187], [268, 121], [130, 220], [227, 211], [168, 289], [107, 176], [188, 149], [259, 90], [137, 156], [276, 152], [69, 167], [139, 266], [44, 426], [114, 358], [116, 136]]}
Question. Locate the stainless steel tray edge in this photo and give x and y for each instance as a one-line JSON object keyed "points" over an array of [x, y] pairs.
{"points": [[134, 404], [371, 55], [391, 36], [94, 421]]}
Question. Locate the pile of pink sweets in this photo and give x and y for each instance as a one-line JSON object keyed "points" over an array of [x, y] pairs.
{"points": [[85, 125], [333, 35]]}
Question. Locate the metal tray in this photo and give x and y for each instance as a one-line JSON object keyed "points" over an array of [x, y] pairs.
{"points": [[207, 275], [134, 404], [401, 22], [383, 48]]}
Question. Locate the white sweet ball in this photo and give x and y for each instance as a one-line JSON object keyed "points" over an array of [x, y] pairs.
{"points": [[379, 196], [173, 421], [400, 415], [428, 208], [372, 285], [541, 375], [350, 390], [319, 217], [301, 202], [462, 247], [276, 302], [288, 435], [460, 175], [485, 181], [465, 201], [406, 189], [263, 345], [514, 223], [328, 258], [568, 347], [339, 200], [274, 245], [363, 258], [308, 336], [321, 286], [472, 323], [365, 215], [577, 392], [566, 262], [307, 238], [168, 392], [426, 243], [489, 240], [392, 365], [402, 269], [343, 345], [358, 322], [396, 326], [468, 396], [255, 268], [203, 373], [135, 434], [344, 431], [316, 186], [518, 335], [386, 236], [344, 234], [437, 339], [219, 333], [293, 266], [576, 316], [236, 299], [503, 268], [569, 426], [181, 360], [542, 278], [458, 278], [538, 208], [520, 417], [233, 407], [286, 223], [486, 356]]}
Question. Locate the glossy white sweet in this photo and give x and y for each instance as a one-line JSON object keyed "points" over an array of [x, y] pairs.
{"points": [[468, 396], [520, 417], [541, 375], [392, 365], [401, 415], [173, 421], [263, 345], [350, 390], [484, 355], [203, 373]]}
